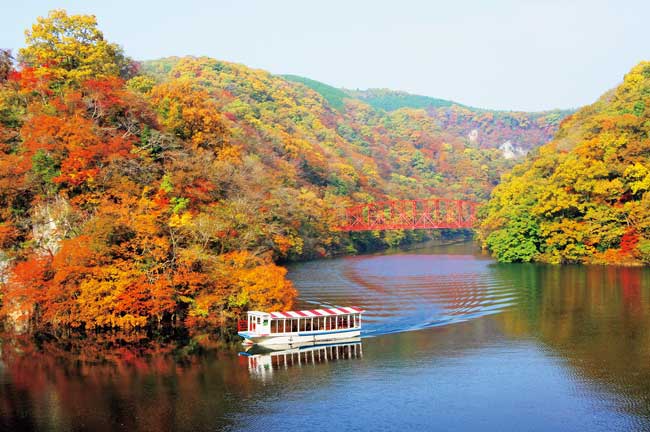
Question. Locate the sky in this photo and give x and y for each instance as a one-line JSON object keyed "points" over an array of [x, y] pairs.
{"points": [[498, 54]]}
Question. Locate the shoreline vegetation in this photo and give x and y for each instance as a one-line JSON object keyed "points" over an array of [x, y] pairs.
{"points": [[167, 194], [585, 196]]}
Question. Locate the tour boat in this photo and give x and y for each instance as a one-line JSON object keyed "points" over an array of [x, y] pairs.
{"points": [[300, 327]]}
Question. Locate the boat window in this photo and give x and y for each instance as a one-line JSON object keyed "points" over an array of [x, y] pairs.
{"points": [[265, 323], [308, 324], [274, 326], [302, 324], [294, 325]]}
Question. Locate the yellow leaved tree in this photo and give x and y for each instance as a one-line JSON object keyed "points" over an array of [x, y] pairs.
{"points": [[70, 48]]}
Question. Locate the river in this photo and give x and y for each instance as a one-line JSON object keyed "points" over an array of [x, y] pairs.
{"points": [[452, 341]]}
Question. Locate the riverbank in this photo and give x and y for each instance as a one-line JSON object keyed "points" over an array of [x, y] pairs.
{"points": [[222, 321]]}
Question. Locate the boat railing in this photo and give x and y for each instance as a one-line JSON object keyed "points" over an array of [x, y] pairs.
{"points": [[242, 325]]}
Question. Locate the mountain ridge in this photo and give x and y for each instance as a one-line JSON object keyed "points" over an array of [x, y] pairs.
{"points": [[372, 96], [504, 129]]}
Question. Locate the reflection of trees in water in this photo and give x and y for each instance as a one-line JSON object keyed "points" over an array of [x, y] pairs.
{"points": [[109, 381], [596, 318]]}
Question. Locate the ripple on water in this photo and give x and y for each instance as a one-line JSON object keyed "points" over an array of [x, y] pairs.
{"points": [[405, 292]]}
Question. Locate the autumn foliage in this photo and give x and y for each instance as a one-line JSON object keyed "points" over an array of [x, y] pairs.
{"points": [[584, 197], [112, 217], [165, 193]]}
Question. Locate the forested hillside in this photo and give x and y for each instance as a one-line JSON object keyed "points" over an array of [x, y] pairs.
{"points": [[136, 195], [352, 151], [515, 133], [582, 198]]}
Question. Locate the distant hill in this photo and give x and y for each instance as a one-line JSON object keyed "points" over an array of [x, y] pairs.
{"points": [[515, 133], [391, 100], [334, 96]]}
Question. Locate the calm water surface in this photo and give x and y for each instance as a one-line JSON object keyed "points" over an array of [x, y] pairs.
{"points": [[453, 341]]}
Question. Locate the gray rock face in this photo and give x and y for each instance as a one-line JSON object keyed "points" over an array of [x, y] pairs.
{"points": [[511, 151], [473, 136], [4, 267], [52, 222]]}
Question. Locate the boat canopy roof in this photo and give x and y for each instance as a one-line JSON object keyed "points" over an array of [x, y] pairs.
{"points": [[313, 313], [317, 312]]}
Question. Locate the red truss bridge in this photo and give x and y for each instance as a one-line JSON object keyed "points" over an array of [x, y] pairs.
{"points": [[433, 213]]}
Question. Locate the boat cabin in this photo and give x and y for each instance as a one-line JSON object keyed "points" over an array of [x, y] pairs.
{"points": [[278, 326]]}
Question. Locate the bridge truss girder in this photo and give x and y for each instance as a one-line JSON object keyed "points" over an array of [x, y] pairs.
{"points": [[434, 213]]}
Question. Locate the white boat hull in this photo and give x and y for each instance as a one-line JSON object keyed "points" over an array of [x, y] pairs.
{"points": [[292, 339]]}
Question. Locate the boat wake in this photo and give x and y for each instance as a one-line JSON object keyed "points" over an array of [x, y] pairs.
{"points": [[406, 292]]}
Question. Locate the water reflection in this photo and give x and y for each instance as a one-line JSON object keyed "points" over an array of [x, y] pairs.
{"points": [[262, 364], [109, 382], [529, 347], [596, 319]]}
